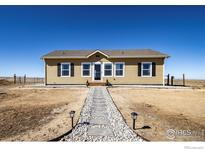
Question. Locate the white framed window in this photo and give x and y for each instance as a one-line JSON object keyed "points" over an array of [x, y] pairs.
{"points": [[146, 70], [65, 69], [86, 69], [108, 69], [119, 69]]}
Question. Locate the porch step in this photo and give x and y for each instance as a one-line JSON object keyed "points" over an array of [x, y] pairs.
{"points": [[97, 84]]}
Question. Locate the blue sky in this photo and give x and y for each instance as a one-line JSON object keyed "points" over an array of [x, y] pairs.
{"points": [[28, 32]]}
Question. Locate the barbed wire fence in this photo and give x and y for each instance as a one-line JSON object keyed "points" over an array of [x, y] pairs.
{"points": [[170, 80], [15, 79]]}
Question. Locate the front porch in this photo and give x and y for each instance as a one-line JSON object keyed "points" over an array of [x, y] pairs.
{"points": [[97, 83], [94, 83]]}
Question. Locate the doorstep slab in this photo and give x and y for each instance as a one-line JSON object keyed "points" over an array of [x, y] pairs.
{"points": [[99, 102], [103, 102], [99, 121], [96, 111], [100, 132], [99, 117], [99, 105], [99, 108], [99, 114]]}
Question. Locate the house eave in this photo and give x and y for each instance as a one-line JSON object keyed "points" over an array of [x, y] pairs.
{"points": [[65, 57], [77, 57], [139, 57]]}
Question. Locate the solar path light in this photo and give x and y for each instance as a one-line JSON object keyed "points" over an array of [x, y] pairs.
{"points": [[134, 117], [72, 114]]}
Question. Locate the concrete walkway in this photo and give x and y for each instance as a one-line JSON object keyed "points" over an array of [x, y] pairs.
{"points": [[100, 120]]}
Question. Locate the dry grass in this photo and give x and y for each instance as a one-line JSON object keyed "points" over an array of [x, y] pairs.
{"points": [[163, 109], [195, 84], [38, 114], [5, 82], [198, 84]]}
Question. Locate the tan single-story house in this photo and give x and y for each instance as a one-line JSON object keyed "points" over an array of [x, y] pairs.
{"points": [[143, 67]]}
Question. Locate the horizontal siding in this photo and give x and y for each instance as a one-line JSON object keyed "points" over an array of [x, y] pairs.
{"points": [[131, 71]]}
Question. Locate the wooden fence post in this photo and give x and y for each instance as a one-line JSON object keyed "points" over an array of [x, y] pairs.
{"points": [[14, 78], [168, 79], [24, 81], [184, 80], [172, 80], [19, 79]]}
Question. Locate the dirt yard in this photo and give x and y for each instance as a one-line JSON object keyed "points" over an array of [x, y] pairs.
{"points": [[159, 110], [38, 114]]}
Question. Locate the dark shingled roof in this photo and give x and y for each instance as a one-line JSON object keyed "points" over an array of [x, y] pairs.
{"points": [[138, 53]]}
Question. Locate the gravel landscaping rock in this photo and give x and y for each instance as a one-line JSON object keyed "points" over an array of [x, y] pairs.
{"points": [[100, 120]]}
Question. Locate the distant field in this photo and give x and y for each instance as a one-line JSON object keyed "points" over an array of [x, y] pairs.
{"points": [[191, 83]]}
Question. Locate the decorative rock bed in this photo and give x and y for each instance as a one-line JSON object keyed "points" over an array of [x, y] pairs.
{"points": [[100, 120]]}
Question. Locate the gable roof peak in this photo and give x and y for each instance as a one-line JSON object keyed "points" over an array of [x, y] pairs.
{"points": [[98, 51]]}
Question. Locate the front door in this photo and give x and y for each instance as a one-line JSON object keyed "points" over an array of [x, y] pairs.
{"points": [[97, 72]]}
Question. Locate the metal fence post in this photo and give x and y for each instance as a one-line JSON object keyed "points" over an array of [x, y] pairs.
{"points": [[14, 78], [172, 80], [168, 79], [184, 80], [19, 79], [24, 79]]}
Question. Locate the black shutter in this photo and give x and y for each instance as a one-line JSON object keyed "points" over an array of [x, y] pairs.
{"points": [[153, 69], [59, 69], [72, 69], [139, 69]]}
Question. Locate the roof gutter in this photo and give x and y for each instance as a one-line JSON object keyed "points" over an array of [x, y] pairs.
{"points": [[77, 57]]}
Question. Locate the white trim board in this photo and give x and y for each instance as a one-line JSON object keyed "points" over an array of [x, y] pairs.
{"points": [[93, 71]]}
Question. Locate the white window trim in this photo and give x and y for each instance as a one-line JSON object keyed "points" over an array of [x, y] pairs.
{"points": [[86, 69], [66, 69], [146, 69], [123, 70], [45, 70], [163, 74], [104, 69], [93, 71]]}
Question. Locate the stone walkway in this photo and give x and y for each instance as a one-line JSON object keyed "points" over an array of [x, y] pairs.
{"points": [[100, 120]]}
